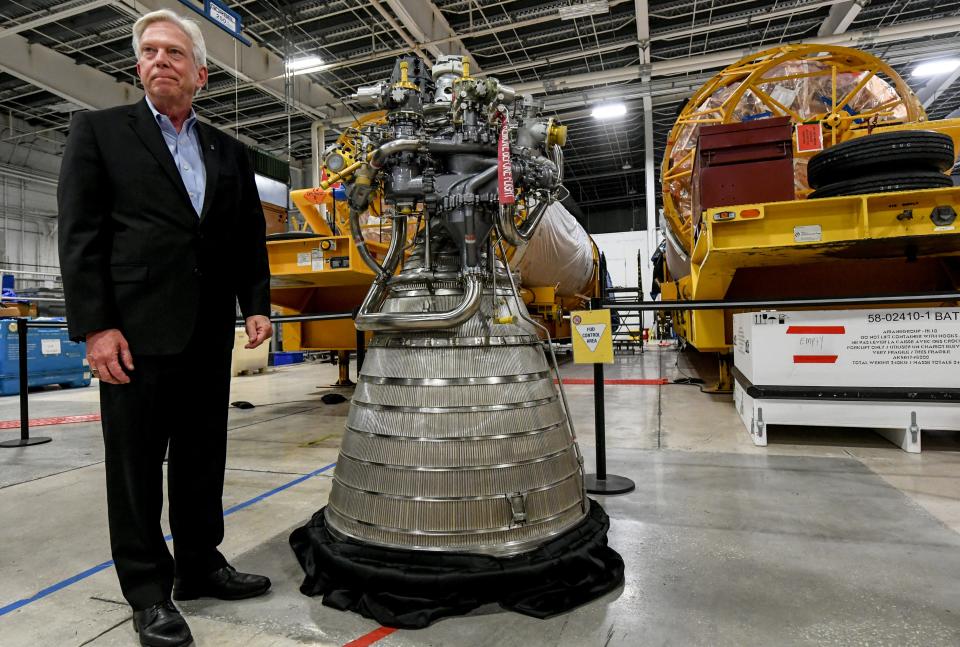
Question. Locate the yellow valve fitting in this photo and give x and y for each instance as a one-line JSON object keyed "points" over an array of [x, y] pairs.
{"points": [[345, 174], [504, 316], [404, 81], [466, 69], [556, 134]]}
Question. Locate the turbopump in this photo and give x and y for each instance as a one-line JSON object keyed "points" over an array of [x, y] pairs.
{"points": [[458, 445]]}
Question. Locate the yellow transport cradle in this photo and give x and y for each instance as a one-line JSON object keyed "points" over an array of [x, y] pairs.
{"points": [[836, 247], [845, 246]]}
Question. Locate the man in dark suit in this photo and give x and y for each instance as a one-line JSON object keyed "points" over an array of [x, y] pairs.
{"points": [[161, 234]]}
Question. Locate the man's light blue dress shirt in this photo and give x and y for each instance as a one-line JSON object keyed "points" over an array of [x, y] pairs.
{"points": [[185, 148]]}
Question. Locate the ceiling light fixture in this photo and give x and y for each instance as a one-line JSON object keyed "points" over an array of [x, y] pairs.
{"points": [[936, 68], [583, 9], [609, 110], [304, 64]]}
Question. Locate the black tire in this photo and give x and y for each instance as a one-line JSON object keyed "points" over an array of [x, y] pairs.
{"points": [[905, 151], [884, 183]]}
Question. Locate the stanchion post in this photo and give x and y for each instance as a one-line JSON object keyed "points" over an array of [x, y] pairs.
{"points": [[601, 482], [25, 439], [599, 418]]}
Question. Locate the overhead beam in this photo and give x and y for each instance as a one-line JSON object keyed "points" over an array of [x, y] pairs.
{"points": [[510, 25], [863, 38], [604, 175], [841, 17], [759, 16], [438, 42], [685, 65], [85, 86], [255, 65], [936, 86], [48, 18], [545, 86], [428, 26], [61, 75], [565, 56], [253, 121], [445, 41], [666, 91], [617, 199], [397, 27]]}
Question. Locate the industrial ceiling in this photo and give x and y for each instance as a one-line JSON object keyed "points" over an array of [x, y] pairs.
{"points": [[60, 56]]}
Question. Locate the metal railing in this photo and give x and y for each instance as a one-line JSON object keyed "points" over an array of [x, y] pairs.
{"points": [[23, 325], [619, 305]]}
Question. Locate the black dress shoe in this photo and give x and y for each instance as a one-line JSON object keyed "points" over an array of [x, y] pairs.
{"points": [[223, 584], [162, 626]]}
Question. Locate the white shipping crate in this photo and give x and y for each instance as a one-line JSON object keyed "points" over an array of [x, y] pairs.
{"points": [[897, 370], [248, 359]]}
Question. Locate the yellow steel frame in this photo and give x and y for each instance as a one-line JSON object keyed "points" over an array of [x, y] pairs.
{"points": [[858, 224], [850, 227], [748, 75]]}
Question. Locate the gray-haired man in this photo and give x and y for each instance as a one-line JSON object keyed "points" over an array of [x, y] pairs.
{"points": [[161, 234]]}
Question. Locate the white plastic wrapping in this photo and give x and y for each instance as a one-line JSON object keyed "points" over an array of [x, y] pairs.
{"points": [[559, 253]]}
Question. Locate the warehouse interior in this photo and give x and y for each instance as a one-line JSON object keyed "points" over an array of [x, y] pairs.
{"points": [[814, 529]]}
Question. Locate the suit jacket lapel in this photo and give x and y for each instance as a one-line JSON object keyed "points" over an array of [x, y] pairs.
{"points": [[145, 126], [211, 162]]}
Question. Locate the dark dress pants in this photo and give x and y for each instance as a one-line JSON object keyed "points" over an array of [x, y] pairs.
{"points": [[177, 400]]}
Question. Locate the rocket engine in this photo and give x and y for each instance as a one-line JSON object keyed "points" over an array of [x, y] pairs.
{"points": [[458, 445]]}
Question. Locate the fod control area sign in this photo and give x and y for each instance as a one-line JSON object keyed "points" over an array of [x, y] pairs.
{"points": [[592, 336]]}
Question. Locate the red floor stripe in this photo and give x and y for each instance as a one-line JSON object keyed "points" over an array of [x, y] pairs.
{"points": [[814, 359], [44, 422], [372, 637], [657, 381]]}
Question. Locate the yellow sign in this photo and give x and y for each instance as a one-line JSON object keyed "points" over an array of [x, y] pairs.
{"points": [[592, 336]]}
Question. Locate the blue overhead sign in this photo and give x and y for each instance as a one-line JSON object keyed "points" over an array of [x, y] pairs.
{"points": [[223, 15], [220, 15]]}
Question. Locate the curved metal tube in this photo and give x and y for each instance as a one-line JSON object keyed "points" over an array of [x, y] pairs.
{"points": [[519, 236], [558, 161], [396, 146], [373, 300], [398, 240], [398, 321], [378, 156], [394, 251], [480, 179]]}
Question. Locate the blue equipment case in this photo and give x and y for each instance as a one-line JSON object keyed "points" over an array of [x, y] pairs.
{"points": [[51, 358], [288, 357]]}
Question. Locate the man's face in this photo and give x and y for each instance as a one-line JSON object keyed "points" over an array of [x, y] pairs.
{"points": [[166, 65]]}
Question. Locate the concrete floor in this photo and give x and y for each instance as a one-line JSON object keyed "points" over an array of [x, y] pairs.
{"points": [[826, 536]]}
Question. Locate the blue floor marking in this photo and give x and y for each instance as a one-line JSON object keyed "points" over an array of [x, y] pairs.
{"points": [[39, 595]]}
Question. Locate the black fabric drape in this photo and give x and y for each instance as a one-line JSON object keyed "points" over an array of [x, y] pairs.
{"points": [[409, 589]]}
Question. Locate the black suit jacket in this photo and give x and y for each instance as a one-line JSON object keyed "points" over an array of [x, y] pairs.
{"points": [[133, 253]]}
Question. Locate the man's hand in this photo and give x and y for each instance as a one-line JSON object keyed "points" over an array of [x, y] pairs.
{"points": [[259, 330], [105, 350]]}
